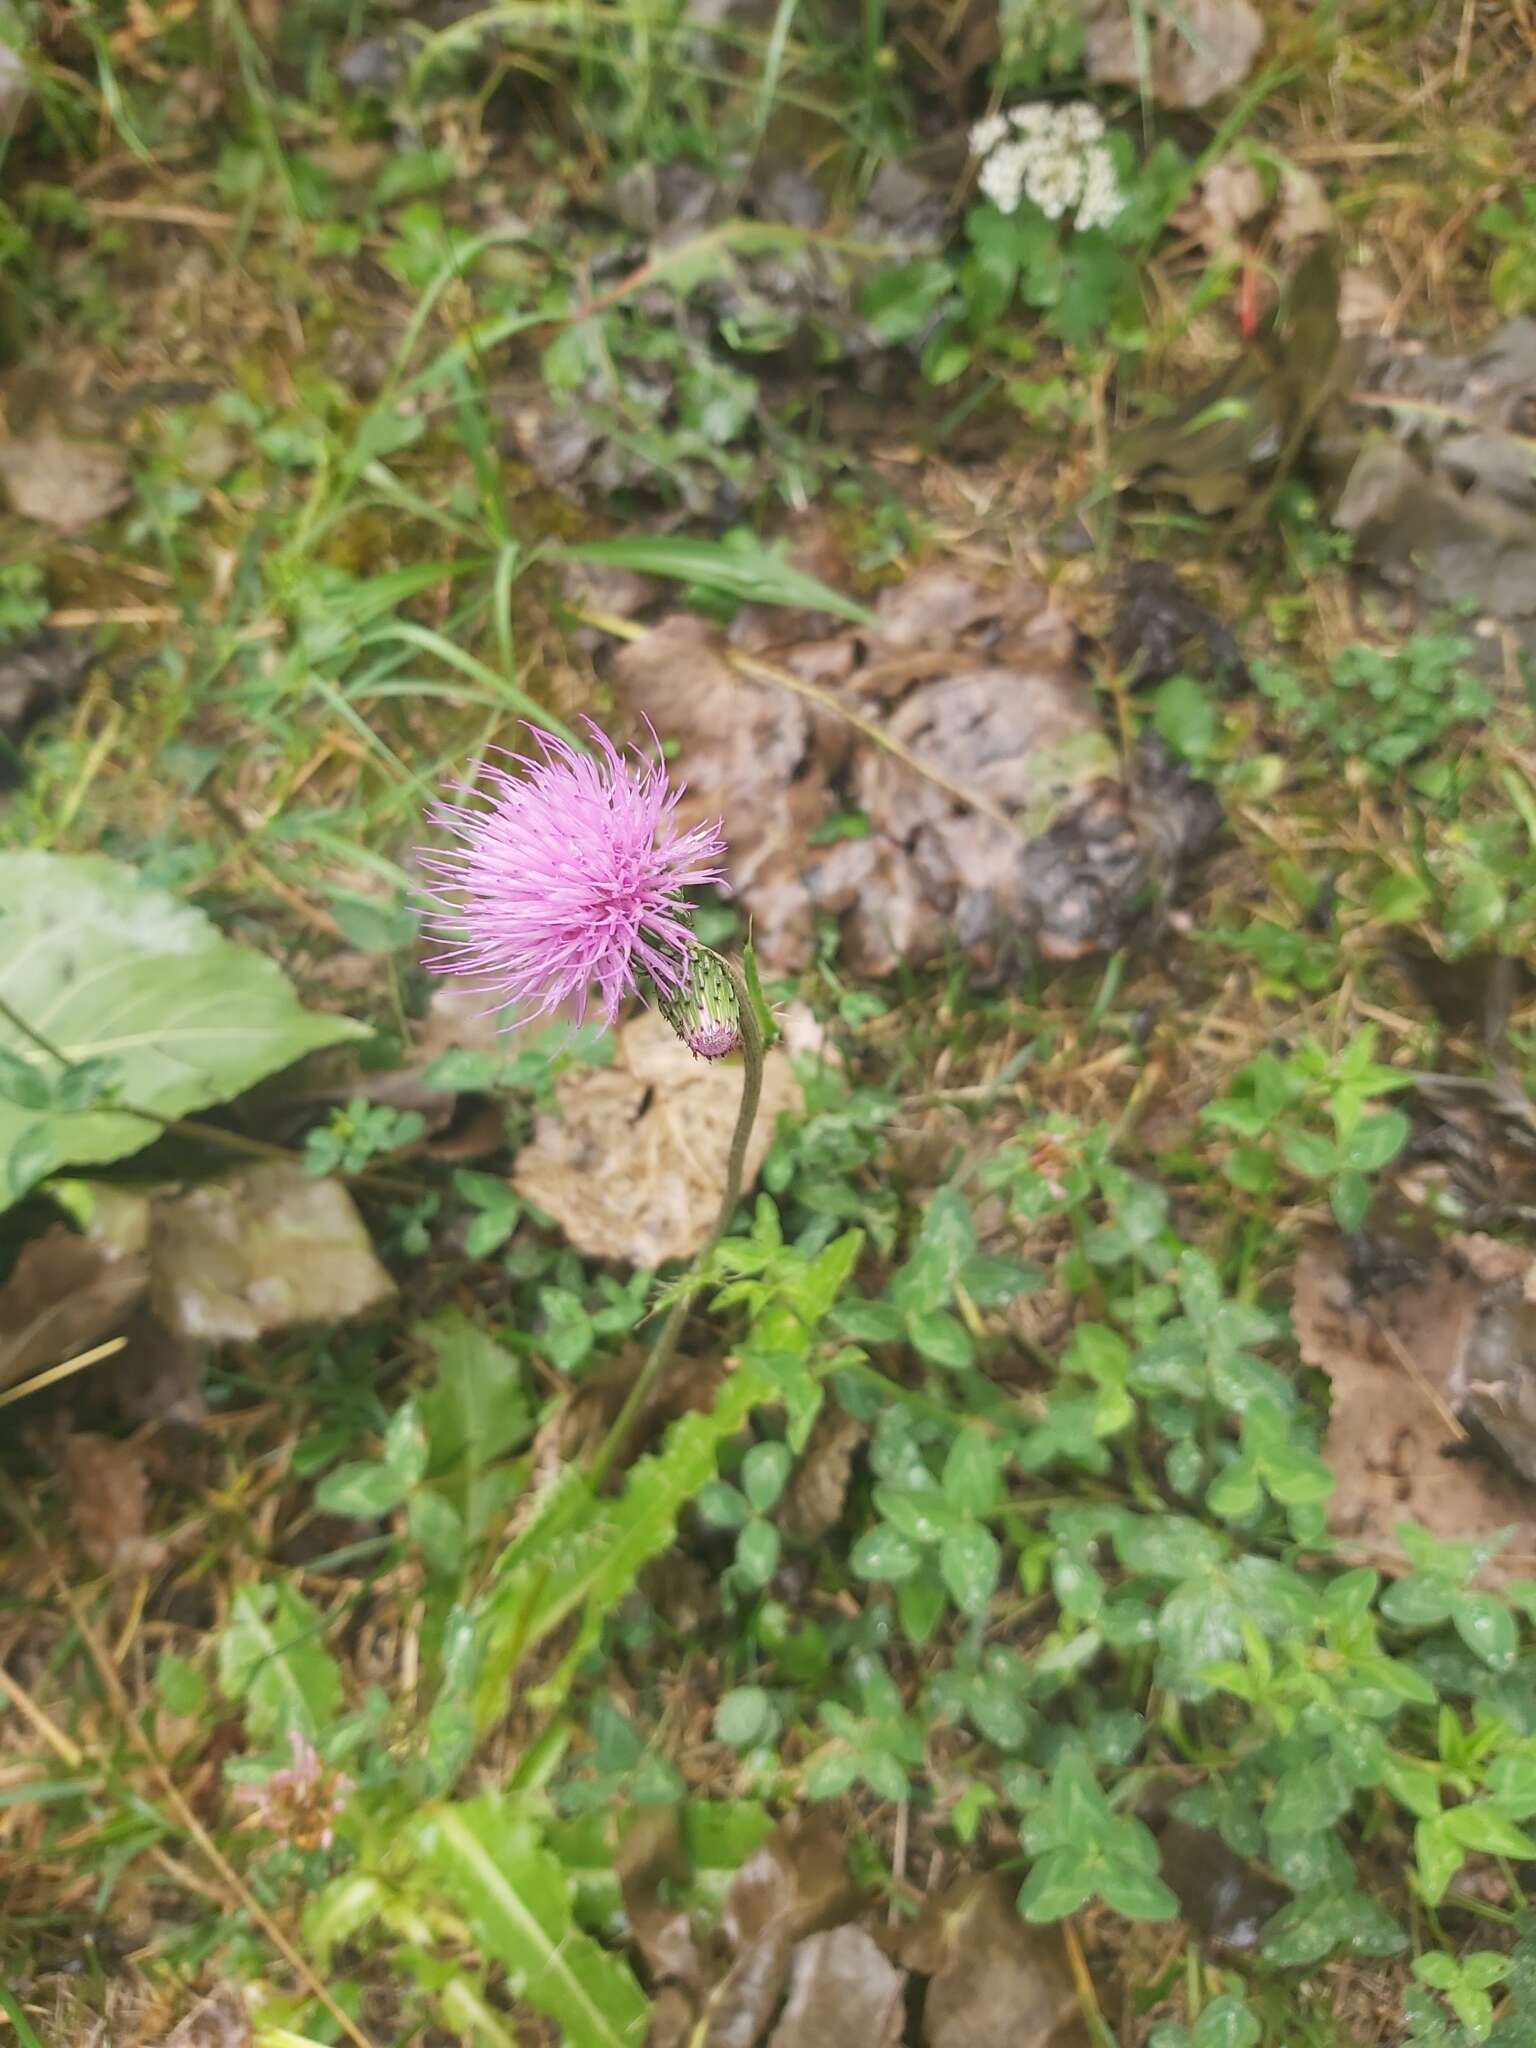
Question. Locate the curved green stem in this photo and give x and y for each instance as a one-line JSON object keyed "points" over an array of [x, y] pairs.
{"points": [[666, 1344]]}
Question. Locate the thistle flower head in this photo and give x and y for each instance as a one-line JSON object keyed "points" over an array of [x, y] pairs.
{"points": [[706, 1011], [569, 880]]}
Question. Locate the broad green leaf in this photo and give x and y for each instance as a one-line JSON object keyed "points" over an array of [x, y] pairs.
{"points": [[1312, 1926], [1099, 1354], [490, 1863], [1510, 1783], [869, 1322], [1167, 1546], [1060, 1884], [991, 1281], [941, 1338], [1309, 1153], [763, 1472], [1375, 1140], [1398, 897], [1439, 1856], [1138, 1894], [1487, 1628], [180, 1684], [1349, 1196], [105, 967], [273, 1661], [437, 1530], [884, 1553], [898, 303], [745, 1716], [1422, 1600], [473, 1414], [1479, 1826], [757, 1552], [1198, 1624], [1227, 2023], [969, 1560], [405, 1444], [1309, 1797], [362, 1491], [970, 1480], [341, 1909]]}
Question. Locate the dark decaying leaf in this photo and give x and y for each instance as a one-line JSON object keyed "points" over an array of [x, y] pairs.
{"points": [[993, 1981], [158, 1375], [1423, 1368], [1442, 495], [632, 1164], [842, 1987], [264, 1249], [795, 1885], [994, 815], [65, 1293], [650, 1857], [818, 1486], [1195, 50], [36, 677], [220, 2021], [1224, 1896], [1256, 415], [108, 1492], [1162, 630], [62, 483]]}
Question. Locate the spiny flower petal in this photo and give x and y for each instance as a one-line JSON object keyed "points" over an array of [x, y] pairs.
{"points": [[569, 881]]}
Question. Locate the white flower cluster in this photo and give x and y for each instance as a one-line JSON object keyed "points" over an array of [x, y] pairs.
{"points": [[1052, 154]]}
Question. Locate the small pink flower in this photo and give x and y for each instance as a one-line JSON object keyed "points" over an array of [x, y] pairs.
{"points": [[570, 880], [300, 1802]]}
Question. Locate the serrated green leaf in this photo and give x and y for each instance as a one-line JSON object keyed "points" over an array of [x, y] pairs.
{"points": [[518, 1899], [273, 1662], [582, 1556], [107, 967]]}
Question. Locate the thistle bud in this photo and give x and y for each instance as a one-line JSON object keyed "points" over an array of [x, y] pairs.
{"points": [[704, 1010]]}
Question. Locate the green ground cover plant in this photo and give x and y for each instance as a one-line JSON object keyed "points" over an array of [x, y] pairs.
{"points": [[975, 1512]]}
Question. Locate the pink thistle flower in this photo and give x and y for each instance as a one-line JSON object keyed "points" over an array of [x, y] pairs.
{"points": [[571, 880]]}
